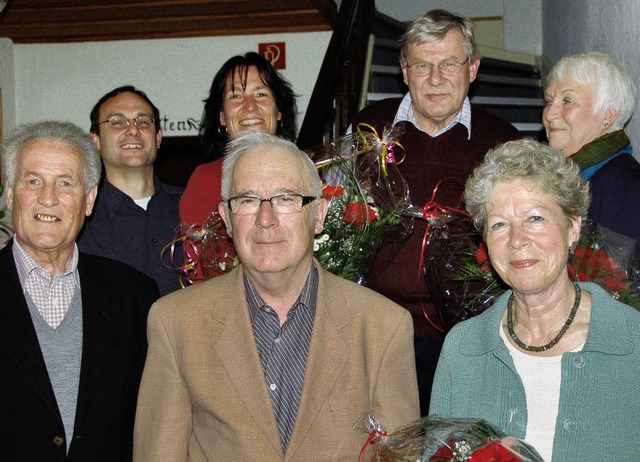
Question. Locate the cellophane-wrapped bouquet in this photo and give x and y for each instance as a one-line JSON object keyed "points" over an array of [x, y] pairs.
{"points": [[609, 259], [366, 195], [458, 273], [208, 250], [438, 439], [462, 282]]}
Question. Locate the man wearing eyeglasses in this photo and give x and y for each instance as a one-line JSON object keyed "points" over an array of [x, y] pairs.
{"points": [[444, 138], [277, 359], [135, 214]]}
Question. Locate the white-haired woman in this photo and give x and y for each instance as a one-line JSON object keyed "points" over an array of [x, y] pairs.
{"points": [[589, 99], [553, 361]]}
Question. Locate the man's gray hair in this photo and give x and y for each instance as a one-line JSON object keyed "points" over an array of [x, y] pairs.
{"points": [[535, 162], [612, 84], [251, 141], [432, 26], [51, 131]]}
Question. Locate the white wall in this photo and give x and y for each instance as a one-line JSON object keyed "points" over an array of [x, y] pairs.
{"points": [[585, 25], [7, 84], [64, 81], [522, 18]]}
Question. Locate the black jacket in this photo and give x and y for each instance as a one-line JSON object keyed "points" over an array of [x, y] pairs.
{"points": [[115, 303]]}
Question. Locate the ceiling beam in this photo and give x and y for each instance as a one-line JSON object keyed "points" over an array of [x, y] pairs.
{"points": [[47, 21]]}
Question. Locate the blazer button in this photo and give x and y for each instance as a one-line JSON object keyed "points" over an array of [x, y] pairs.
{"points": [[58, 440]]}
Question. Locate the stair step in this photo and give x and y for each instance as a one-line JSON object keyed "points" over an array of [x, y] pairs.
{"points": [[386, 51], [387, 27], [516, 114], [497, 66], [480, 88], [371, 97], [507, 101], [528, 126], [509, 80], [387, 70]]}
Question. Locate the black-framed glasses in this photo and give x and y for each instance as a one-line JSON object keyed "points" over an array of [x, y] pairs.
{"points": [[448, 67], [280, 203], [120, 121]]}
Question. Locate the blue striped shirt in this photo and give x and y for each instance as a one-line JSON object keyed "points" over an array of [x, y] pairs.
{"points": [[283, 349]]}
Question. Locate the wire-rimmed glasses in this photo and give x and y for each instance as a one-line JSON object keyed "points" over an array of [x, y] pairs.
{"points": [[448, 67], [120, 121]]}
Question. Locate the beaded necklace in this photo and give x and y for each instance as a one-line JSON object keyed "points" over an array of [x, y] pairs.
{"points": [[555, 340]]}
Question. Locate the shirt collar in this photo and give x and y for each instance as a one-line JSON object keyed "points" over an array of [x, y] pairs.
{"points": [[113, 197], [307, 298], [405, 113], [26, 265]]}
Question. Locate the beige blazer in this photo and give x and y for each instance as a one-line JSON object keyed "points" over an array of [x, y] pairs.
{"points": [[204, 396]]}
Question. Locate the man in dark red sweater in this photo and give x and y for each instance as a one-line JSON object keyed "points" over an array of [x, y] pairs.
{"points": [[445, 136]]}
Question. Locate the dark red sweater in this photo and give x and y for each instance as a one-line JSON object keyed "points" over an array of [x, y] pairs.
{"points": [[396, 273]]}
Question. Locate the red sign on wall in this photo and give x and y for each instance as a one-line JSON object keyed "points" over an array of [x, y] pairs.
{"points": [[274, 53]]}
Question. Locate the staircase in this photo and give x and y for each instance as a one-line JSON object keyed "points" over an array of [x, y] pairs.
{"points": [[510, 90]]}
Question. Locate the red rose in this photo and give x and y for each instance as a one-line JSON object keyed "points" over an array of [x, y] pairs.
{"points": [[494, 452], [482, 258], [596, 266], [615, 283], [443, 454], [358, 214], [329, 191]]}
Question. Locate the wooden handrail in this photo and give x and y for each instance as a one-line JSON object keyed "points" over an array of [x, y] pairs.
{"points": [[335, 97]]}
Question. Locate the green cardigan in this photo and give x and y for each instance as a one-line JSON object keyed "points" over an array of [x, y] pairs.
{"points": [[599, 413]]}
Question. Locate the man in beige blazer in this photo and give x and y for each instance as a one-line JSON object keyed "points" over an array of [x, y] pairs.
{"points": [[278, 359]]}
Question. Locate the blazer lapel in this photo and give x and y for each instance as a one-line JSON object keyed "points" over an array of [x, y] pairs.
{"points": [[18, 333], [238, 353], [328, 353]]}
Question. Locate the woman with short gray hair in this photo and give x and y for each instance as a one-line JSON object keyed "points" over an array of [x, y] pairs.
{"points": [[589, 98], [543, 362]]}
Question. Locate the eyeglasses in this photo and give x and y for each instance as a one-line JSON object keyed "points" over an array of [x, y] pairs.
{"points": [[423, 68], [281, 203], [119, 122]]}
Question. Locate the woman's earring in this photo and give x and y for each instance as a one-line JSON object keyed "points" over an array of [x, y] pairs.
{"points": [[606, 125], [222, 129]]}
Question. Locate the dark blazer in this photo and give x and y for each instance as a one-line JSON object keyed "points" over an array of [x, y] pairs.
{"points": [[115, 303]]}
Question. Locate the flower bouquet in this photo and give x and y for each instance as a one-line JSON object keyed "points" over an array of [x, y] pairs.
{"points": [[208, 250], [458, 273], [609, 259], [438, 439], [366, 201]]}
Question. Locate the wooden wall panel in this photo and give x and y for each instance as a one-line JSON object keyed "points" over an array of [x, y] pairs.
{"points": [[48, 21]]}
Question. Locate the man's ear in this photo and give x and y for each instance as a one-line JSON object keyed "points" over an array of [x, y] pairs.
{"points": [[404, 74], [96, 139], [9, 198], [224, 213], [90, 200], [323, 208], [473, 69]]}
